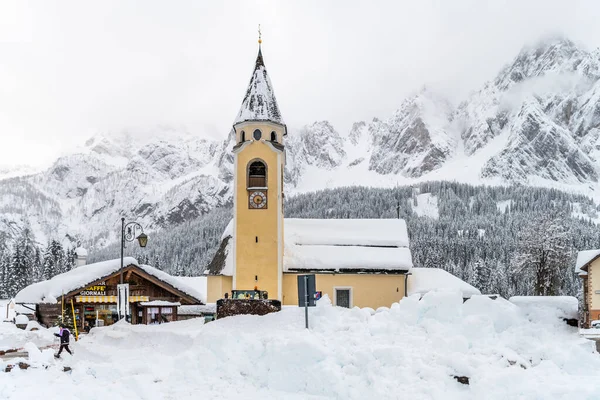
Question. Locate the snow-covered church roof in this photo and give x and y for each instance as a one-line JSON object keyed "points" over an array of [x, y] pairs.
{"points": [[259, 103], [333, 245], [49, 291]]}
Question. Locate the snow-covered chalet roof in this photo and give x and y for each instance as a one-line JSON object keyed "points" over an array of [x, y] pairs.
{"points": [[583, 258], [333, 245], [49, 291], [259, 103], [425, 280]]}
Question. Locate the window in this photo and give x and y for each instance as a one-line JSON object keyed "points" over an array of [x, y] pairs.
{"points": [[242, 137], [343, 297], [159, 315], [257, 134], [257, 175], [273, 136]]}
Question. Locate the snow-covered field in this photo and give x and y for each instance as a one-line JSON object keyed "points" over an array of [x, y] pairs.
{"points": [[410, 351]]}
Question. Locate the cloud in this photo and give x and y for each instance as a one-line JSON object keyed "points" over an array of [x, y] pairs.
{"points": [[72, 69]]}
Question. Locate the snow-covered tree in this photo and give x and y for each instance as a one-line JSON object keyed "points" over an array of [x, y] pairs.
{"points": [[54, 259], [543, 252]]}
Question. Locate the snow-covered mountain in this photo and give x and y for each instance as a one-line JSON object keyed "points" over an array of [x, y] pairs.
{"points": [[537, 122]]}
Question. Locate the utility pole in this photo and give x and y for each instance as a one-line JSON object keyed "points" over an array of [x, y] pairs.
{"points": [[306, 300]]}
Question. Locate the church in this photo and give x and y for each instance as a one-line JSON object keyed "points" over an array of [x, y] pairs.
{"points": [[364, 263]]}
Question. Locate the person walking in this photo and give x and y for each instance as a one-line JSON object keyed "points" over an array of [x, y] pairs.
{"points": [[63, 334]]}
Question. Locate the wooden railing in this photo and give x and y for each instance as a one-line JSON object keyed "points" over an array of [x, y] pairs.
{"points": [[257, 181]]}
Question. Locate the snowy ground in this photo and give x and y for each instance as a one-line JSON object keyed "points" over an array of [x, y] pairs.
{"points": [[411, 351]]}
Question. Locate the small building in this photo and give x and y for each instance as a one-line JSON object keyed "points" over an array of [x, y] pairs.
{"points": [[91, 292], [587, 267], [7, 310]]}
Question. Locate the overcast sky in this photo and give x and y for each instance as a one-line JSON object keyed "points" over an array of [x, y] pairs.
{"points": [[70, 69]]}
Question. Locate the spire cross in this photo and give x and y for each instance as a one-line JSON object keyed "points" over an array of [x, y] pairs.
{"points": [[259, 35]]}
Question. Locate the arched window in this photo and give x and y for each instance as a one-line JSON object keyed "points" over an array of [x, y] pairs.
{"points": [[257, 175], [273, 136], [242, 137]]}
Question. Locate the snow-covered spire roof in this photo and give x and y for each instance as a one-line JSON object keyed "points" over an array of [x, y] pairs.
{"points": [[259, 103]]}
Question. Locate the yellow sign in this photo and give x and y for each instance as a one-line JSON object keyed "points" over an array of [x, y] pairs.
{"points": [[96, 290]]}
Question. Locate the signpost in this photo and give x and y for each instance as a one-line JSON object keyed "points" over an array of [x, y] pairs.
{"points": [[123, 300], [306, 294]]}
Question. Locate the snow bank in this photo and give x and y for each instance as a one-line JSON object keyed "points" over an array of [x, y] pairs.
{"points": [[561, 306], [412, 350], [49, 291], [12, 337], [424, 280]]}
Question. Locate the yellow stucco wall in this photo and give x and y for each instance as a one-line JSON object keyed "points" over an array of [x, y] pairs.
{"points": [[260, 259], [368, 290], [217, 286]]}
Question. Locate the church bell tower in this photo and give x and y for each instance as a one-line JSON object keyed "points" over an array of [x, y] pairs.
{"points": [[259, 159]]}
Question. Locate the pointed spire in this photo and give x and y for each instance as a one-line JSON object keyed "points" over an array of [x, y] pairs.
{"points": [[259, 103]]}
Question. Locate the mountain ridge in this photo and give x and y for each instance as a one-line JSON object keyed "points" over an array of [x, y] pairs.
{"points": [[535, 123]]}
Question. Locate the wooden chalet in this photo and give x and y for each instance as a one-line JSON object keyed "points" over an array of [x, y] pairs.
{"points": [[90, 291]]}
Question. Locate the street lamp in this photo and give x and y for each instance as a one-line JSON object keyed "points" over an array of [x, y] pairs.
{"points": [[130, 236]]}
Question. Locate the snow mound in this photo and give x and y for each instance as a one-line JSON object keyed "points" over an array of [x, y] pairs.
{"points": [[414, 350], [12, 337], [561, 306], [424, 280]]}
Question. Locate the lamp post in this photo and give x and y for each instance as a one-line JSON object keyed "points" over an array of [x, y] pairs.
{"points": [[130, 236]]}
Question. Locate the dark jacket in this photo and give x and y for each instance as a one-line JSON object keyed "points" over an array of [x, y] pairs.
{"points": [[63, 335]]}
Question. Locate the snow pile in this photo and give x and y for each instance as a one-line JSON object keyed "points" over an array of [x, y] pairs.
{"points": [[21, 320], [560, 306], [12, 337], [413, 350], [424, 280], [49, 291]]}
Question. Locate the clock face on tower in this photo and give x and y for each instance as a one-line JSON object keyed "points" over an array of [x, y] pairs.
{"points": [[258, 200]]}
